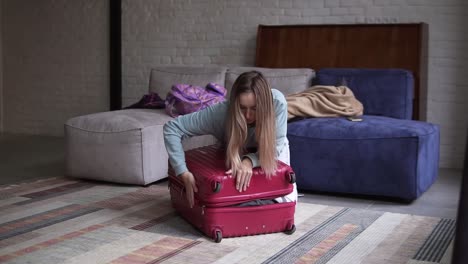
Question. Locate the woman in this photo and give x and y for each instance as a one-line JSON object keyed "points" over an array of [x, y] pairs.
{"points": [[254, 116]]}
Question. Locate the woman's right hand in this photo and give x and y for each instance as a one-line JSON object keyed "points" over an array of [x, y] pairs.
{"points": [[190, 187]]}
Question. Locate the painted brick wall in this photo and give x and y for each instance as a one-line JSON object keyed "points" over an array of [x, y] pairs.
{"points": [[55, 63], [211, 32], [55, 59]]}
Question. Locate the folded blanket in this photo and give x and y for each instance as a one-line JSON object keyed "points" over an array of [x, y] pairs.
{"points": [[324, 101]]}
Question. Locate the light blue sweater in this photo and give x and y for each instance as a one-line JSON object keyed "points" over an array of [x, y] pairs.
{"points": [[211, 121]]}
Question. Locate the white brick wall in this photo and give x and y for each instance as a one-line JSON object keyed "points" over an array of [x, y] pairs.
{"points": [[55, 63], [55, 53], [204, 32]]}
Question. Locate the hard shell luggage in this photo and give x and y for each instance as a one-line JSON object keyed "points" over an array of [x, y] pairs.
{"points": [[216, 212]]}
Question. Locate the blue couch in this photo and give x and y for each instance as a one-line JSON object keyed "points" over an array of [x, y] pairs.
{"points": [[386, 154]]}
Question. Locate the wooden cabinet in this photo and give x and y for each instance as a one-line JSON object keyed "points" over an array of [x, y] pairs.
{"points": [[352, 46]]}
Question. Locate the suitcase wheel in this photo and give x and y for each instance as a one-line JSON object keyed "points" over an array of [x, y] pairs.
{"points": [[218, 236], [292, 177], [291, 231], [217, 187]]}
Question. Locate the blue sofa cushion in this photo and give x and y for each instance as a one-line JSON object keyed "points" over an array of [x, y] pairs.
{"points": [[372, 127], [384, 92], [380, 156]]}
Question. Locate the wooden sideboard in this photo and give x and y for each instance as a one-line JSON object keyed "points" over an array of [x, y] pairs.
{"points": [[349, 45]]}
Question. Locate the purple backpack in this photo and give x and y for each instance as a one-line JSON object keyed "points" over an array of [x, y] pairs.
{"points": [[184, 98]]}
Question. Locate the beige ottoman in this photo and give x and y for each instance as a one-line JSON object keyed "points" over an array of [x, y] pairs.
{"points": [[125, 146]]}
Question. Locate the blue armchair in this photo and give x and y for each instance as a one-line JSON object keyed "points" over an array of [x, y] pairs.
{"points": [[386, 154]]}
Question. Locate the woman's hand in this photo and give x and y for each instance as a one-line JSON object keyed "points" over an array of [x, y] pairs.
{"points": [[243, 175], [190, 187]]}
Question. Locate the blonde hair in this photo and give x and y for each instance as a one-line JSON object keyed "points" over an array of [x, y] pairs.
{"points": [[265, 128]]}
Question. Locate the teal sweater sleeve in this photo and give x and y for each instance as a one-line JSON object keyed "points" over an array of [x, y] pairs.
{"points": [[209, 121], [281, 112]]}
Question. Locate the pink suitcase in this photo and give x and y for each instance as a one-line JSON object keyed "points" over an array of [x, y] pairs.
{"points": [[215, 212]]}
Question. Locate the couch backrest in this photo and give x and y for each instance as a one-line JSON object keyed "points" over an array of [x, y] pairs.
{"points": [[162, 78], [386, 92], [288, 81]]}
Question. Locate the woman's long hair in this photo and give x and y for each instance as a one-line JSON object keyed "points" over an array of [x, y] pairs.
{"points": [[265, 128]]}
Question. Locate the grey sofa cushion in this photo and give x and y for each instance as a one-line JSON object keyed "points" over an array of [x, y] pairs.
{"points": [[125, 146], [162, 78], [119, 121], [287, 81]]}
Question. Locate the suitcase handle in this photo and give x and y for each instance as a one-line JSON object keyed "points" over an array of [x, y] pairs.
{"points": [[292, 177], [217, 187]]}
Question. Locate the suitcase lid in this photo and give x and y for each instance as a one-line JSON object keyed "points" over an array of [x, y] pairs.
{"points": [[216, 189]]}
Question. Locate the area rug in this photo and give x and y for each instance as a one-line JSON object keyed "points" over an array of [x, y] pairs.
{"points": [[61, 220]]}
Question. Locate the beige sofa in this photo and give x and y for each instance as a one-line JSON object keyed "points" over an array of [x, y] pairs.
{"points": [[127, 146]]}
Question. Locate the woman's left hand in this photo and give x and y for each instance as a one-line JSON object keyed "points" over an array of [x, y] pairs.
{"points": [[243, 175]]}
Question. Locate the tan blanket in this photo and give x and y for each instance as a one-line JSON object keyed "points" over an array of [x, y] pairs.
{"points": [[324, 101]]}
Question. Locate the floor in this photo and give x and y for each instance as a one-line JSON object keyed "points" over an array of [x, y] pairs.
{"points": [[26, 157]]}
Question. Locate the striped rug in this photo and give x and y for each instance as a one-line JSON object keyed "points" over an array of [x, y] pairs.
{"points": [[61, 220]]}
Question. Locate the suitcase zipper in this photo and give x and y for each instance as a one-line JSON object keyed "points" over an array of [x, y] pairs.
{"points": [[202, 209]]}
